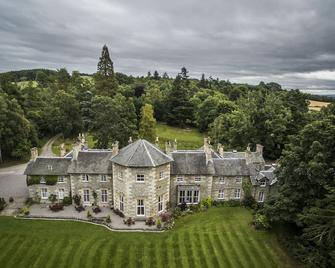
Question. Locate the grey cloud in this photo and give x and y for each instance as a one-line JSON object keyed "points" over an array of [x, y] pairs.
{"points": [[243, 40]]}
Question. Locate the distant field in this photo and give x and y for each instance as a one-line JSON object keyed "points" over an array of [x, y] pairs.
{"points": [[317, 105], [187, 138], [220, 237], [23, 84]]}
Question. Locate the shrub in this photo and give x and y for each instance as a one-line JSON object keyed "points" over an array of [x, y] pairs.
{"points": [[67, 201], [108, 219], [260, 221], [118, 212], [51, 180], [208, 202], [159, 224], [195, 208], [150, 221], [76, 199], [52, 198], [232, 203], [165, 216], [33, 180], [129, 221], [217, 203], [89, 215], [79, 208], [248, 201], [176, 212], [96, 209], [183, 206], [29, 201], [95, 197], [56, 207], [169, 225], [11, 199], [3, 203], [24, 211]]}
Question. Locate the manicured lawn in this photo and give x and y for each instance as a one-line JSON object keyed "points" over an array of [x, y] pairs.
{"points": [[187, 138], [220, 237]]}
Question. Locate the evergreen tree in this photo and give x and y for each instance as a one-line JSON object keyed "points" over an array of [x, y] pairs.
{"points": [[148, 123], [105, 80], [156, 75], [203, 82]]}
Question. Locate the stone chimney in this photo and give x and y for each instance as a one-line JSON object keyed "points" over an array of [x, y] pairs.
{"points": [[76, 148], [34, 153], [130, 140], [174, 147], [168, 148], [82, 139], [248, 148], [220, 149], [259, 149], [115, 148], [62, 150], [157, 142], [208, 150]]}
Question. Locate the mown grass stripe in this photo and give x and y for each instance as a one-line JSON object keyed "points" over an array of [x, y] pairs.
{"points": [[184, 249], [200, 247], [96, 259], [234, 254], [57, 253], [75, 246], [176, 250], [152, 254], [105, 251], [91, 255], [193, 259], [11, 247], [45, 246], [164, 253], [65, 255], [14, 259], [124, 254], [220, 252], [214, 256], [113, 254], [30, 254], [4, 241], [79, 257], [170, 249]]}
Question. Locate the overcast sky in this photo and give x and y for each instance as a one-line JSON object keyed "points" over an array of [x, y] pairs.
{"points": [[288, 41]]}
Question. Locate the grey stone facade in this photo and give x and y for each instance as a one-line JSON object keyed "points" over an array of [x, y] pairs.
{"points": [[140, 179]]}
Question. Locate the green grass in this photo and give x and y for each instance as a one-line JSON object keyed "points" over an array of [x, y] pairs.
{"points": [[56, 145], [220, 237], [187, 138]]}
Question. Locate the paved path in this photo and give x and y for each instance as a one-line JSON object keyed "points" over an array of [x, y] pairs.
{"points": [[13, 182]]}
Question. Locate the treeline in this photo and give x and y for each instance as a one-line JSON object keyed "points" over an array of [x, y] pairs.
{"points": [[110, 106]]}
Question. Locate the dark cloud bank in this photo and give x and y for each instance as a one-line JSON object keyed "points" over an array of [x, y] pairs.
{"points": [[288, 41]]}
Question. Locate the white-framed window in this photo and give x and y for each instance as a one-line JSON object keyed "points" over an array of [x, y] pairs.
{"points": [[61, 194], [180, 179], [49, 167], [84, 177], [197, 179], [261, 196], [262, 183], [42, 180], [160, 203], [221, 194], [61, 179], [140, 208], [120, 176], [161, 175], [221, 180], [238, 180], [103, 178], [140, 178], [86, 196], [121, 202], [104, 196], [189, 196], [44, 193], [237, 193]]}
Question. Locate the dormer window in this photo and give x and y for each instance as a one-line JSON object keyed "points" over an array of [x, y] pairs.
{"points": [[180, 179], [197, 179], [84, 177], [42, 180], [262, 183], [140, 178], [103, 178], [238, 180], [49, 167], [61, 179], [221, 180]]}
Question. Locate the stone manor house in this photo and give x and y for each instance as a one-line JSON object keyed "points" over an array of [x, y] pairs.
{"points": [[140, 179]]}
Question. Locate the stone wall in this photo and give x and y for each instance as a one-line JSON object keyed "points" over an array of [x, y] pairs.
{"points": [[205, 186], [149, 190], [35, 190], [94, 184], [228, 186]]}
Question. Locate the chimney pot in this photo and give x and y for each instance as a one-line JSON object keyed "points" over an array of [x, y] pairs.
{"points": [[34, 153]]}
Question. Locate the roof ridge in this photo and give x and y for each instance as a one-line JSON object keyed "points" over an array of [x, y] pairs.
{"points": [[152, 161], [157, 149], [131, 156]]}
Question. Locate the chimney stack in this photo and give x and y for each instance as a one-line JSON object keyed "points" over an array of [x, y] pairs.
{"points": [[130, 140], [76, 148], [168, 148], [157, 142], [34, 153], [259, 149], [220, 149], [174, 145], [208, 150], [115, 148], [62, 150]]}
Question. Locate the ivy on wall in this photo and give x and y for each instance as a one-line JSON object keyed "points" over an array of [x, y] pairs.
{"points": [[49, 180]]}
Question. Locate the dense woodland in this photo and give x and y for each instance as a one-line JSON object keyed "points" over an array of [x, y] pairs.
{"points": [[114, 106]]}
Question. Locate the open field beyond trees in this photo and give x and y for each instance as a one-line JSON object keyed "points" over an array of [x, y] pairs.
{"points": [[220, 237], [317, 105]]}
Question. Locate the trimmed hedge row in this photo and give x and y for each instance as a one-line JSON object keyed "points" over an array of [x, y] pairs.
{"points": [[49, 180]]}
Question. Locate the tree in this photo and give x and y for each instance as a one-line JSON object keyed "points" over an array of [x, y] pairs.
{"points": [[148, 123], [156, 75], [105, 80], [113, 120], [63, 79], [203, 81]]}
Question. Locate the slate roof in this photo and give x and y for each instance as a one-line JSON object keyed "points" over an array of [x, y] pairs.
{"points": [[48, 166], [253, 157], [141, 153], [92, 162], [190, 162], [231, 167]]}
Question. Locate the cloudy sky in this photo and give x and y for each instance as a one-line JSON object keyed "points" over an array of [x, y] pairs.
{"points": [[288, 41]]}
